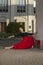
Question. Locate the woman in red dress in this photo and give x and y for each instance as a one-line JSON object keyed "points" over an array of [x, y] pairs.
{"points": [[26, 43]]}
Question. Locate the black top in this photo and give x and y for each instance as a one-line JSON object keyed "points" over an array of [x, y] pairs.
{"points": [[24, 34]]}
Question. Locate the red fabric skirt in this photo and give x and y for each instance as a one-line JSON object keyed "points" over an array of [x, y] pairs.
{"points": [[26, 43]]}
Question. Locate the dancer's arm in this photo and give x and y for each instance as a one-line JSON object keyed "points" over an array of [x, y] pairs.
{"points": [[11, 36]]}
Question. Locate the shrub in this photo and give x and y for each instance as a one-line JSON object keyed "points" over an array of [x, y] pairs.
{"points": [[5, 35], [13, 27]]}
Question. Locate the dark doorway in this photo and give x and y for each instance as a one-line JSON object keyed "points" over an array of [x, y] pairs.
{"points": [[3, 26]]}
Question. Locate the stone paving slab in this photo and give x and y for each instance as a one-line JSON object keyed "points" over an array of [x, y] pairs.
{"points": [[21, 57]]}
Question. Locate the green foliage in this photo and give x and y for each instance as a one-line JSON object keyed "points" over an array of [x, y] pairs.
{"points": [[4, 35], [13, 27]]}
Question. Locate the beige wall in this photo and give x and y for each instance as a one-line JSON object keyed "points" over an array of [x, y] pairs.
{"points": [[25, 17], [31, 1], [32, 24], [22, 17]]}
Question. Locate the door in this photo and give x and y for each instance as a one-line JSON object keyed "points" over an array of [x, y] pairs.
{"points": [[3, 26]]}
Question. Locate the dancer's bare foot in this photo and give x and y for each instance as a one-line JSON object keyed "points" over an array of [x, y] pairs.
{"points": [[32, 46], [9, 47]]}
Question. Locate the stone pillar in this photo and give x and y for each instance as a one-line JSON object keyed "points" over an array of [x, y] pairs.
{"points": [[39, 19], [39, 23]]}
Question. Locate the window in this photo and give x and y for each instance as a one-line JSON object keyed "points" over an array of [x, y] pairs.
{"points": [[34, 10], [3, 5], [34, 6], [21, 6]]}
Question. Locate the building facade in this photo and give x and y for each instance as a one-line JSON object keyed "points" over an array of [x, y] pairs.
{"points": [[22, 11]]}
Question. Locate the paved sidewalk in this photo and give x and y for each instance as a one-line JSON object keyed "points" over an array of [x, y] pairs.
{"points": [[21, 57]]}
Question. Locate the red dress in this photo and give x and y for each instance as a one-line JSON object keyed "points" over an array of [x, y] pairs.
{"points": [[26, 43]]}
